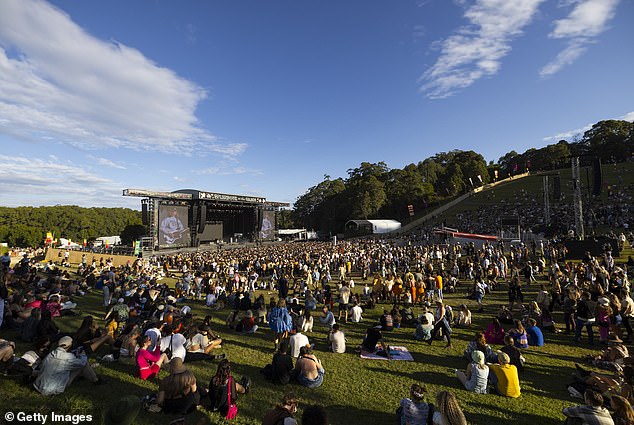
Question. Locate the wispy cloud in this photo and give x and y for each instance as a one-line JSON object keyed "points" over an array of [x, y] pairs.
{"points": [[59, 83], [105, 162], [52, 182], [476, 50], [228, 171], [571, 134], [587, 20]]}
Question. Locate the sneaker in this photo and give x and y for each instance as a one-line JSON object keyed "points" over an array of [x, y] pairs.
{"points": [[219, 357], [108, 358]]}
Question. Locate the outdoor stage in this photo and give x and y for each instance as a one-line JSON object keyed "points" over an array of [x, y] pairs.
{"points": [[189, 218]]}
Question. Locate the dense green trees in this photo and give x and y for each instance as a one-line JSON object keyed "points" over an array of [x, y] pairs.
{"points": [[27, 226]]}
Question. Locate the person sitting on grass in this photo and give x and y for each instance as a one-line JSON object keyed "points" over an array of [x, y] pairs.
{"points": [[60, 368], [149, 362], [475, 379], [448, 411], [337, 340], [280, 369], [518, 333], [494, 333], [464, 317], [222, 384], [623, 414], [504, 377], [480, 343], [283, 412], [514, 353], [201, 345], [414, 409], [308, 368], [592, 413], [534, 334], [90, 337], [296, 342], [373, 336], [178, 393], [247, 324], [327, 318], [305, 321]]}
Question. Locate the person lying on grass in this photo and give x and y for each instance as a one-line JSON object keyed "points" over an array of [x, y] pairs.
{"points": [[613, 357], [621, 383]]}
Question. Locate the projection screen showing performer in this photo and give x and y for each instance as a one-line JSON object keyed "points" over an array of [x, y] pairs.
{"points": [[267, 231], [174, 226]]}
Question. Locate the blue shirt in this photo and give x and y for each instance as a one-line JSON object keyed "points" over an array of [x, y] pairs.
{"points": [[535, 336]]}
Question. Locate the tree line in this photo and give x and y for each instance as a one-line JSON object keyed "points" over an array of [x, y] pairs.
{"points": [[375, 191], [27, 226]]}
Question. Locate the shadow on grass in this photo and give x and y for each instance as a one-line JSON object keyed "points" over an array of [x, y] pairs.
{"points": [[345, 415]]}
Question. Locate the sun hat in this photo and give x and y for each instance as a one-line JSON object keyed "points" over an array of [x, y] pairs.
{"points": [[614, 338], [65, 342], [478, 357], [176, 366], [124, 411]]}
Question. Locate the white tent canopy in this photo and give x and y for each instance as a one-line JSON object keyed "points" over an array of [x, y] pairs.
{"points": [[374, 226]]}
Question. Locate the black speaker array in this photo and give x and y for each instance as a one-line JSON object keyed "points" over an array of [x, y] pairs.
{"points": [[597, 177], [145, 217], [202, 220]]}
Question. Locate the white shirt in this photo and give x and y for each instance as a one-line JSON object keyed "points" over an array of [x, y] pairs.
{"points": [[337, 342], [178, 345], [298, 341], [355, 314]]}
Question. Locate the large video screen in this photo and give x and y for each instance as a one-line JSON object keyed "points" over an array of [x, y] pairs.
{"points": [[267, 231], [173, 226]]}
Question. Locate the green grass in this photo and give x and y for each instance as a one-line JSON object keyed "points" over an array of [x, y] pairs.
{"points": [[354, 390]]}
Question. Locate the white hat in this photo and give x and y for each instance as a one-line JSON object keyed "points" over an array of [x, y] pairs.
{"points": [[186, 310], [120, 300], [65, 342]]}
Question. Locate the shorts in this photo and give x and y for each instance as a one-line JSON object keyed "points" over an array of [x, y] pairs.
{"points": [[343, 307], [150, 372], [478, 297], [312, 383]]}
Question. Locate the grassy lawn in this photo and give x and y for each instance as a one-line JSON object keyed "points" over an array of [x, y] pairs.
{"points": [[354, 390]]}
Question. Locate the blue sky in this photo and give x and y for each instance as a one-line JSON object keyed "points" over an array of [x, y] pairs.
{"points": [[266, 97]]}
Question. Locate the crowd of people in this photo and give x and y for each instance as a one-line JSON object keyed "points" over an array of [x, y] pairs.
{"points": [[314, 287]]}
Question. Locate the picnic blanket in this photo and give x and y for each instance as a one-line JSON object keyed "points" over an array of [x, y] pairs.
{"points": [[398, 353]]}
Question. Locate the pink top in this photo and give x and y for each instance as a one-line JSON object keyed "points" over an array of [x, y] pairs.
{"points": [[492, 336], [145, 358]]}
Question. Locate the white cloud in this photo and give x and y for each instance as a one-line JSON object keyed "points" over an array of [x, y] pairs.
{"points": [[106, 162], [587, 20], [57, 82], [476, 50], [228, 171], [50, 182], [570, 134]]}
